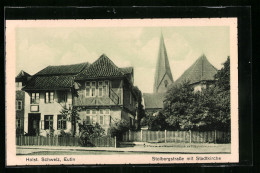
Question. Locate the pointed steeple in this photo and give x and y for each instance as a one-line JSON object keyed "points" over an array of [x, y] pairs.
{"points": [[163, 76]]}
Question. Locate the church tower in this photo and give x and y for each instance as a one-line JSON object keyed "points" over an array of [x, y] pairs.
{"points": [[163, 75]]}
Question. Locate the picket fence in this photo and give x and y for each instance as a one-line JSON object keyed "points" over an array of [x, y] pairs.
{"points": [[177, 136], [65, 141]]}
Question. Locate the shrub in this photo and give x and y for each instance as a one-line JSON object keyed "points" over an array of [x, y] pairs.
{"points": [[64, 134], [119, 128], [90, 131]]}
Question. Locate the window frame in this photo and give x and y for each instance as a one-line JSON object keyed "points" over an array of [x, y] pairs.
{"points": [[17, 105], [60, 120], [18, 123], [34, 99], [91, 87], [48, 121], [49, 100], [64, 96]]}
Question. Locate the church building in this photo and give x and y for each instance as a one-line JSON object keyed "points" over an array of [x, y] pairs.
{"points": [[153, 102]]}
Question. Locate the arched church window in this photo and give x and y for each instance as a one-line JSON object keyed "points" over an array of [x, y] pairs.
{"points": [[165, 83]]}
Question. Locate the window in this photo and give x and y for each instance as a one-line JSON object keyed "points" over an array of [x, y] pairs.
{"points": [[91, 117], [19, 105], [93, 89], [35, 98], [62, 97], [87, 89], [107, 111], [48, 122], [101, 119], [94, 116], [49, 97], [62, 122], [88, 120], [90, 89], [18, 123], [93, 92], [102, 88], [19, 85]]}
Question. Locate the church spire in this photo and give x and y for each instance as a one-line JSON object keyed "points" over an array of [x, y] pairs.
{"points": [[163, 76]]}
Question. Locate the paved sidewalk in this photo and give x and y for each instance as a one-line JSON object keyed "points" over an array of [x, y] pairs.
{"points": [[183, 149]]}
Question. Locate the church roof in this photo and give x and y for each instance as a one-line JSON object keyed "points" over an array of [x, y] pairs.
{"points": [[162, 66], [200, 70], [103, 67], [153, 100]]}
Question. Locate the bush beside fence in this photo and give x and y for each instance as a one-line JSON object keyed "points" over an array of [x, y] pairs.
{"points": [[64, 141], [177, 136]]}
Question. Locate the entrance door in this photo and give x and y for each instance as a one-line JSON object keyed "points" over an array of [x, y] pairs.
{"points": [[33, 124]]}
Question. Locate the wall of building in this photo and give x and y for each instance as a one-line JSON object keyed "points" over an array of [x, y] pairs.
{"points": [[130, 102], [20, 96], [46, 109], [162, 88], [115, 115], [81, 100]]}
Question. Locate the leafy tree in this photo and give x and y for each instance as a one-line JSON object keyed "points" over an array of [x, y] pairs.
{"points": [[140, 109], [71, 114], [155, 121], [180, 104], [205, 110], [119, 128], [90, 131]]}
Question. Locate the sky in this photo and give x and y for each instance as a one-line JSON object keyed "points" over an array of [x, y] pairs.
{"points": [[39, 47]]}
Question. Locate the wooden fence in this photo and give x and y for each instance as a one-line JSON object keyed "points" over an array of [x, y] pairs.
{"points": [[177, 136], [65, 141]]}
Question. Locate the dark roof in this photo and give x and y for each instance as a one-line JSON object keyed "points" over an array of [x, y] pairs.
{"points": [[55, 77], [102, 67], [50, 82], [63, 69], [162, 66], [153, 100], [22, 74], [201, 70], [127, 70]]}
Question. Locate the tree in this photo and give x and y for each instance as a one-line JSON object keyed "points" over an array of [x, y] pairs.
{"points": [[205, 110], [179, 109], [119, 128], [155, 122], [88, 131], [140, 109], [71, 114]]}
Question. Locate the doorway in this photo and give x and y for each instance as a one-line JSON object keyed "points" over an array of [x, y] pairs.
{"points": [[34, 124]]}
